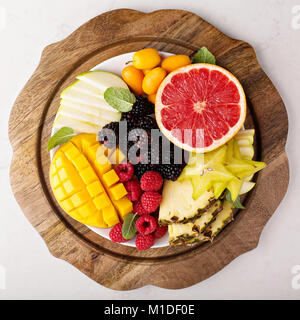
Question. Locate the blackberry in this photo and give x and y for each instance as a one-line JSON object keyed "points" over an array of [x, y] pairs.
{"points": [[139, 136], [170, 171], [146, 123], [109, 135], [142, 107], [140, 169]]}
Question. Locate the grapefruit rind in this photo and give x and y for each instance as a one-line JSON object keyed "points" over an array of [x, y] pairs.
{"points": [[216, 143]]}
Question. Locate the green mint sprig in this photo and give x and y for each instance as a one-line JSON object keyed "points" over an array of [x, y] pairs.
{"points": [[62, 136], [128, 228], [236, 203], [119, 98], [204, 56]]}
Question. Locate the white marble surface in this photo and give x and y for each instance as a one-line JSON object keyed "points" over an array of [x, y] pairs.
{"points": [[27, 26]]}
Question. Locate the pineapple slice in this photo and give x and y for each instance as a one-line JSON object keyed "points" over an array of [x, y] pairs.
{"points": [[182, 232], [223, 218], [178, 204]]}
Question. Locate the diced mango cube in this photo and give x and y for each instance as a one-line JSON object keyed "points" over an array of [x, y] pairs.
{"points": [[110, 216], [55, 181], [118, 191], [62, 174], [78, 199], [87, 141], [110, 178], [96, 220], [87, 210], [58, 163], [70, 186], [117, 156], [72, 152], [95, 188], [102, 201], [92, 152], [88, 175], [80, 162], [67, 205], [60, 194], [102, 165], [123, 206]]}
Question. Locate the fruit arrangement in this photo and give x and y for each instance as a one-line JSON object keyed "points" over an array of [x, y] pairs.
{"points": [[160, 150]]}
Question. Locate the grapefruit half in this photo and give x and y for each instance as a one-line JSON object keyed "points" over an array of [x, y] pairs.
{"points": [[200, 107]]}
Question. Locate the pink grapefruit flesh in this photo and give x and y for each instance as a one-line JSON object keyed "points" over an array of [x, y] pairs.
{"points": [[200, 107]]}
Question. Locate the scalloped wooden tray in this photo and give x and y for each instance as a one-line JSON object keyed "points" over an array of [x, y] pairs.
{"points": [[110, 34]]}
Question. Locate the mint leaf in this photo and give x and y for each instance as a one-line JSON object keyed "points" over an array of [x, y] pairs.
{"points": [[119, 98], [62, 136], [236, 203], [204, 56], [129, 229]]}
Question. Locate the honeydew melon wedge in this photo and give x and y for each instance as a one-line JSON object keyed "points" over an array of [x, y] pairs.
{"points": [[81, 107], [246, 187], [86, 88], [74, 95], [102, 80], [97, 112], [80, 116], [78, 126]]}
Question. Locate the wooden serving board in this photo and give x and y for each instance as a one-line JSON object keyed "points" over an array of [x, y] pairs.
{"points": [[110, 34]]}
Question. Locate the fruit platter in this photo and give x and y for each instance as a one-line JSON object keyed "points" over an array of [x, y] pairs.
{"points": [[149, 152], [134, 187]]}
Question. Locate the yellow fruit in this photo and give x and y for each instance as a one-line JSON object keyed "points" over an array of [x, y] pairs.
{"points": [[152, 98], [145, 71], [153, 80], [174, 62], [116, 156], [85, 185], [134, 78], [146, 59]]}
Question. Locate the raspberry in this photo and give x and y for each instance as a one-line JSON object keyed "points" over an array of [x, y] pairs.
{"points": [[146, 225], [151, 201], [144, 242], [151, 181], [134, 190], [160, 231], [125, 171], [139, 209], [115, 233]]}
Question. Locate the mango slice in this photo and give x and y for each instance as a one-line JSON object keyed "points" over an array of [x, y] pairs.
{"points": [[85, 184]]}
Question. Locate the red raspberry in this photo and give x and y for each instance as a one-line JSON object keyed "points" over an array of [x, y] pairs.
{"points": [[139, 209], [160, 232], [134, 190], [146, 225], [151, 201], [144, 242], [125, 171], [151, 181], [115, 233]]}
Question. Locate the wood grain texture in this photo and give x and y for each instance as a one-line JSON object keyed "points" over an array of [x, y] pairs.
{"points": [[110, 34]]}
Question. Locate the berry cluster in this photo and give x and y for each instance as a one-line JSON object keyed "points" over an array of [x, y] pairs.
{"points": [[146, 199], [148, 153]]}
